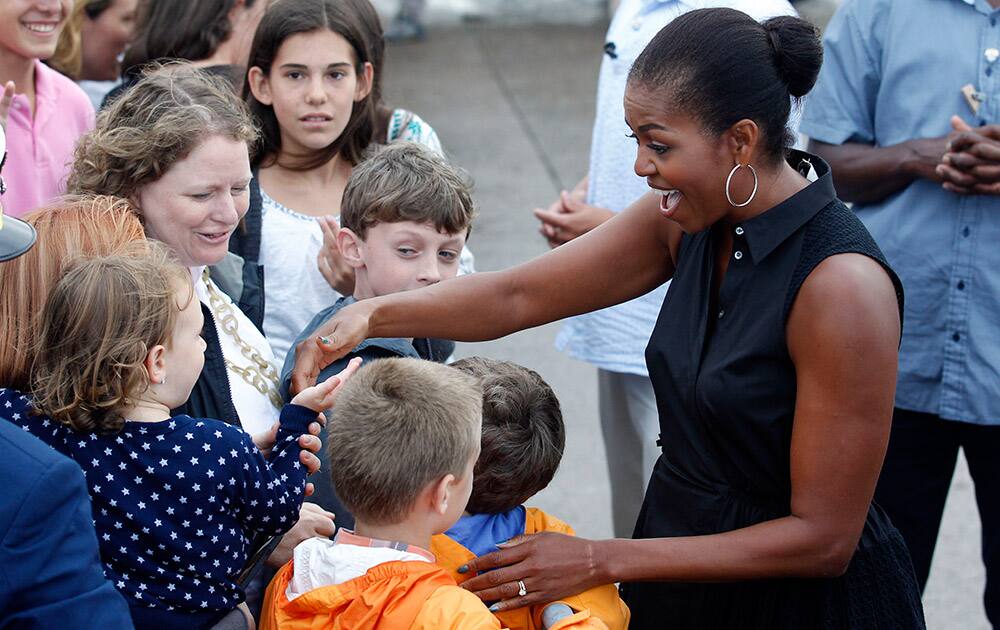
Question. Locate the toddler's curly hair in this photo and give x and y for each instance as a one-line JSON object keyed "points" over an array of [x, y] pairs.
{"points": [[99, 323]]}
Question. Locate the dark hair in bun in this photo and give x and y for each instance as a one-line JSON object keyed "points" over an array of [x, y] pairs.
{"points": [[798, 53], [722, 66]]}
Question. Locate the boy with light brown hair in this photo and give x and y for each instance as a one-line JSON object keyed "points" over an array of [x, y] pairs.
{"points": [[405, 216], [404, 438]]}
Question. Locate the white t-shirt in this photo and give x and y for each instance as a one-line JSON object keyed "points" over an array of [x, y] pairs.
{"points": [[256, 412], [615, 338], [321, 562], [294, 288]]}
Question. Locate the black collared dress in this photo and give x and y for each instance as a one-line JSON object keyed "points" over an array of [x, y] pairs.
{"points": [[725, 389]]}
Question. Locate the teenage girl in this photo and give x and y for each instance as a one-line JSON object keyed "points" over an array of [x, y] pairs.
{"points": [[313, 85], [176, 500]]}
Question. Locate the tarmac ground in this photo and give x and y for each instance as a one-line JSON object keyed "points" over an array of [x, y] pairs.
{"points": [[514, 106]]}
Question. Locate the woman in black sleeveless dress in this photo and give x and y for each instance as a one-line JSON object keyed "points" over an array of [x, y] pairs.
{"points": [[773, 360]]}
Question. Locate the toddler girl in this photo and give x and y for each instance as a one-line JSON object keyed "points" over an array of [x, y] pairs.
{"points": [[176, 500]]}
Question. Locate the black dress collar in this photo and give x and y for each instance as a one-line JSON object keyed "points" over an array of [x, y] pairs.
{"points": [[766, 231]]}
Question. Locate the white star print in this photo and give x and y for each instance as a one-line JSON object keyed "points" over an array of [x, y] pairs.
{"points": [[137, 508]]}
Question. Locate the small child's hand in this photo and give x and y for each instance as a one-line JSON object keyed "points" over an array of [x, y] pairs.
{"points": [[322, 395]]}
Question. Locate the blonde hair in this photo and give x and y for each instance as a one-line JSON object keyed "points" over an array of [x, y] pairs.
{"points": [[153, 125], [68, 58], [399, 425], [99, 323], [68, 228]]}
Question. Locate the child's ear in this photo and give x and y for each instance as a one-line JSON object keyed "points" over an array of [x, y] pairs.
{"points": [[350, 245], [260, 87], [365, 80], [441, 494], [156, 367]]}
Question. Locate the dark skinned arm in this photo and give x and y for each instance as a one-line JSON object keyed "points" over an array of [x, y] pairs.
{"points": [[624, 258], [843, 333], [868, 174]]}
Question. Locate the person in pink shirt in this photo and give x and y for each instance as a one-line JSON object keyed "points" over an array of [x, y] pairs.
{"points": [[45, 112]]}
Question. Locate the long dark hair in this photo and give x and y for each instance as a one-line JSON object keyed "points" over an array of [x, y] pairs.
{"points": [[351, 20], [179, 29]]}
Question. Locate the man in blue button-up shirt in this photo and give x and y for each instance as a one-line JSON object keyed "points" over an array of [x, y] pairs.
{"points": [[900, 78]]}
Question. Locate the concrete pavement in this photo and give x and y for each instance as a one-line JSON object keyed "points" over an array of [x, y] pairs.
{"points": [[514, 106]]}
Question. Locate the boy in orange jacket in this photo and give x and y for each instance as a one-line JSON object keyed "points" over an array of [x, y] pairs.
{"points": [[522, 444], [404, 437]]}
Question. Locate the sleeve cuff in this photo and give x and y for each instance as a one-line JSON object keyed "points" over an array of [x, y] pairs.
{"points": [[830, 134], [296, 418]]}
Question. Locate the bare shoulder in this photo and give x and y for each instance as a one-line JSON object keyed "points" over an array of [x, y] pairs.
{"points": [[849, 296]]}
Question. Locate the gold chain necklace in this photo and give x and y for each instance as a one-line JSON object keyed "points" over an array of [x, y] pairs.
{"points": [[260, 374]]}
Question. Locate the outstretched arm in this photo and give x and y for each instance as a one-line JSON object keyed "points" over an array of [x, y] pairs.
{"points": [[624, 258], [843, 334]]}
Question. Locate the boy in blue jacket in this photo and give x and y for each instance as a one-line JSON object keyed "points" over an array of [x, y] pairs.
{"points": [[405, 216]]}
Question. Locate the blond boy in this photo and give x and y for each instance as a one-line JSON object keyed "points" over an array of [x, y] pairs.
{"points": [[404, 438]]}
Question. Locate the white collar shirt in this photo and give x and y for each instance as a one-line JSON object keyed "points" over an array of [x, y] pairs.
{"points": [[615, 339]]}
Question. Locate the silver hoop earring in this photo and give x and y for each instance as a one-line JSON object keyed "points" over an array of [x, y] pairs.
{"points": [[729, 196]]}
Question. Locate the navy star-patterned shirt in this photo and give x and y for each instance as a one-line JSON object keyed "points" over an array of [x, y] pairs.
{"points": [[177, 502]]}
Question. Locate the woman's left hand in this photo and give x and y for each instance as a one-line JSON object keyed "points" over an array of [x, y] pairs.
{"points": [[551, 566]]}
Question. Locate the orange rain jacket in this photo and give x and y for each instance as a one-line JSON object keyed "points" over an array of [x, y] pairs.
{"points": [[599, 607], [399, 595]]}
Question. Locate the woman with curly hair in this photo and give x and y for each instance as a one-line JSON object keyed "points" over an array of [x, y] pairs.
{"points": [[177, 145]]}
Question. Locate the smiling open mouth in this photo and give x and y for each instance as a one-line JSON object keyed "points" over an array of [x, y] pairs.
{"points": [[42, 28], [669, 200], [216, 236]]}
